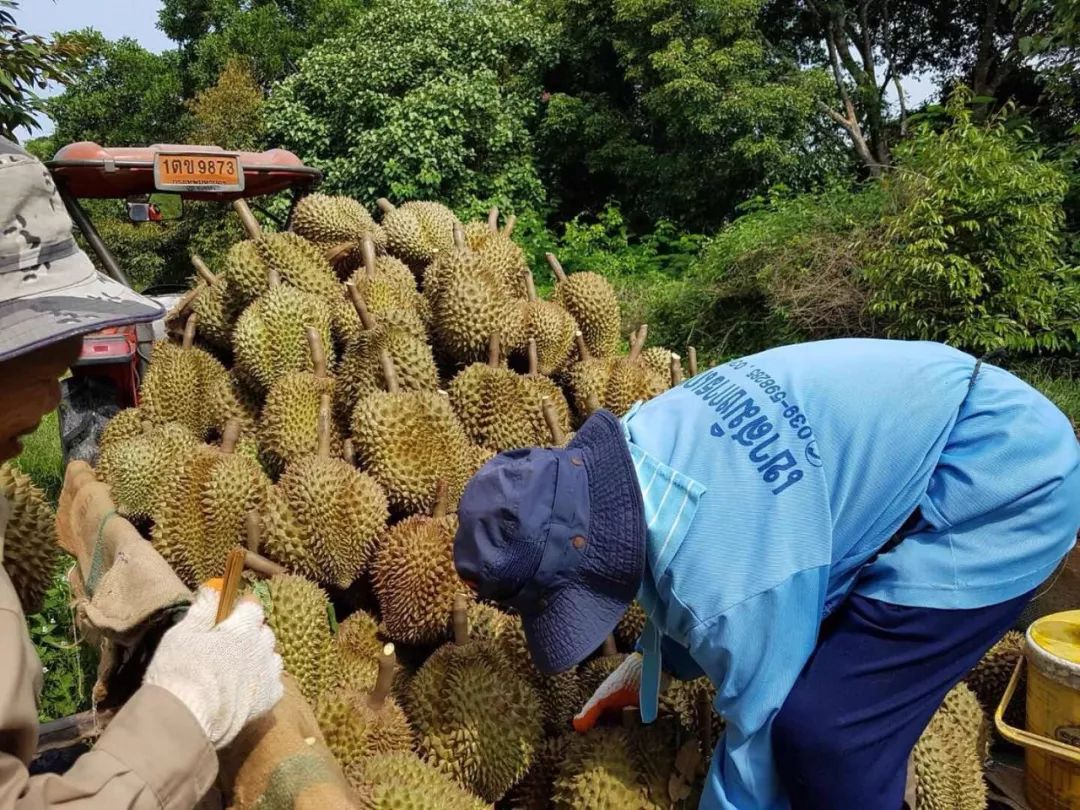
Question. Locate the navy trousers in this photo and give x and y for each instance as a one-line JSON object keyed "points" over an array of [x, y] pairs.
{"points": [[843, 736]]}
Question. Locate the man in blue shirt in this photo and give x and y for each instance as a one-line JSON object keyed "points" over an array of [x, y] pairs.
{"points": [[832, 532]]}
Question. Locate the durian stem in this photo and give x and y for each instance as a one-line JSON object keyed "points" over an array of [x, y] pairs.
{"points": [[459, 237], [189, 330], [637, 342], [348, 452], [691, 354], [461, 619], [367, 248], [202, 271], [251, 225], [273, 278], [442, 499], [336, 254], [592, 402], [582, 346], [253, 529], [703, 709], [318, 354], [609, 648], [389, 372], [494, 351], [493, 220], [385, 205], [385, 679], [262, 566], [508, 228], [324, 426], [676, 369], [361, 308], [230, 436], [552, 419], [534, 358], [530, 285], [556, 268]]}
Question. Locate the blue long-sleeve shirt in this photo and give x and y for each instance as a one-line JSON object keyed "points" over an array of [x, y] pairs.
{"points": [[771, 484]]}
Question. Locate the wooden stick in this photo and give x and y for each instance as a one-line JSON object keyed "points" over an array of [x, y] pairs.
{"points": [[442, 499], [530, 285], [461, 619], [493, 220], [263, 567], [534, 358], [318, 354], [592, 402], [676, 369], [582, 347], [494, 351], [459, 237], [324, 426], [556, 268], [389, 372], [253, 528], [251, 225], [361, 308], [189, 330], [609, 647], [234, 567], [367, 249], [202, 271], [273, 278], [508, 228], [348, 452], [691, 354], [552, 419], [385, 679], [385, 205], [230, 436]]}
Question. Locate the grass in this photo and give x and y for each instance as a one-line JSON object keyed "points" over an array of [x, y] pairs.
{"points": [[42, 458]]}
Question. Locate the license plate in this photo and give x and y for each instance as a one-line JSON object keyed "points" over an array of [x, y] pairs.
{"points": [[198, 172]]}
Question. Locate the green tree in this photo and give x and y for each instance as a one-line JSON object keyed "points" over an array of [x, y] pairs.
{"points": [[421, 98], [125, 95], [229, 114]]}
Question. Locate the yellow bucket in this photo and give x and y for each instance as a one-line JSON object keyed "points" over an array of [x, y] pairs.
{"points": [[1052, 739]]}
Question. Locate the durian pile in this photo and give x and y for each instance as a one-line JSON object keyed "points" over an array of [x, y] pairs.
{"points": [[326, 396]]}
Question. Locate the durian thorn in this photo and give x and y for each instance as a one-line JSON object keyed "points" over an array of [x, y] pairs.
{"points": [[459, 237], [495, 350], [582, 346], [461, 619], [230, 436], [637, 342], [336, 254], [318, 353], [189, 330], [251, 225], [592, 402], [631, 717], [609, 647], [385, 679], [273, 278], [442, 499], [348, 452], [385, 205], [253, 530], [552, 419], [367, 248], [262, 566], [556, 268], [508, 228], [493, 220], [691, 354], [389, 372], [361, 308], [676, 369], [530, 285], [324, 426], [202, 271], [534, 358]]}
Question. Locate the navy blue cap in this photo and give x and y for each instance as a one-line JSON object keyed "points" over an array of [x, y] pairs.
{"points": [[558, 534]]}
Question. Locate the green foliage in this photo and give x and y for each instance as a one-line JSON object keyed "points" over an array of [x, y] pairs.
{"points": [[1059, 380], [42, 458], [28, 63], [229, 114], [124, 96], [973, 236], [421, 99]]}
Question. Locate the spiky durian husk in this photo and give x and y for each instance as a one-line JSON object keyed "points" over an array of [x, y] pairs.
{"points": [[360, 371], [329, 221], [270, 338], [354, 730], [298, 612], [989, 678], [587, 378], [561, 696], [299, 263], [630, 381], [30, 550], [324, 520], [476, 719], [409, 441], [403, 782], [539, 389], [177, 387], [126, 423], [136, 469], [507, 264], [535, 790], [496, 408], [658, 361], [629, 628], [591, 300], [414, 579], [949, 756], [417, 232], [602, 770], [245, 272], [229, 399], [288, 428], [553, 328], [358, 635], [216, 308], [593, 672], [390, 296], [487, 622]]}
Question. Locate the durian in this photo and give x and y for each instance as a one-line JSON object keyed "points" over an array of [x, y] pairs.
{"points": [[628, 630], [534, 791], [587, 379], [389, 291], [475, 718], [358, 648], [551, 326], [630, 379], [505, 258], [989, 678], [136, 469], [215, 307], [602, 770], [338, 225], [125, 425], [324, 515], [28, 545], [948, 758], [299, 614], [592, 302], [560, 695], [417, 232], [358, 725], [403, 782]]}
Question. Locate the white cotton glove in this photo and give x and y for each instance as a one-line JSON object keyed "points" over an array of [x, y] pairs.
{"points": [[618, 691], [227, 675]]}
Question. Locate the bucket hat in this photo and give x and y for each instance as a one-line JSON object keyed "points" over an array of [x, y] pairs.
{"points": [[49, 288], [558, 534]]}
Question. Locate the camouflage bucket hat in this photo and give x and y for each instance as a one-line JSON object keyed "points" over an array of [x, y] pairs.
{"points": [[49, 289]]}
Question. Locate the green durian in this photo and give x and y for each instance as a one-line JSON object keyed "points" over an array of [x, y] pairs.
{"points": [[136, 469], [403, 782], [948, 758], [417, 232], [591, 300], [299, 612]]}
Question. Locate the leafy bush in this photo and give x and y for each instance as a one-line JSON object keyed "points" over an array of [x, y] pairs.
{"points": [[229, 114]]}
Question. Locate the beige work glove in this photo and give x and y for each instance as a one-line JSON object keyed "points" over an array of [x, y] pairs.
{"points": [[227, 675]]}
